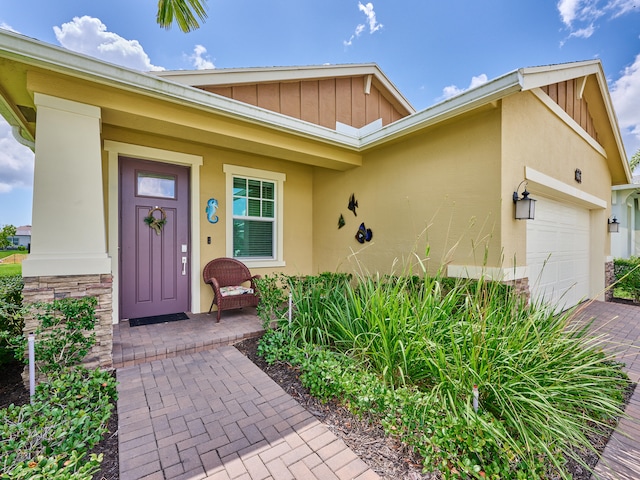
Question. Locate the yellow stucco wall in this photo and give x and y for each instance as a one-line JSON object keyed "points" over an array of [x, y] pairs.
{"points": [[298, 228], [437, 187], [537, 137]]}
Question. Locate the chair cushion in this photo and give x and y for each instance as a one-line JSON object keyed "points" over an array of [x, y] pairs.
{"points": [[235, 290]]}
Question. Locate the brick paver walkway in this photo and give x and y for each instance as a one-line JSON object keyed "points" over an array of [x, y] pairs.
{"points": [[132, 346], [214, 414], [198, 411], [620, 327]]}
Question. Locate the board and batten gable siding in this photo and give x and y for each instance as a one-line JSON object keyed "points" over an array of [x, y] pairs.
{"points": [[565, 94], [323, 102]]}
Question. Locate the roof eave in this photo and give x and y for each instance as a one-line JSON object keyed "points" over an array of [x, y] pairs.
{"points": [[467, 101], [60, 60]]}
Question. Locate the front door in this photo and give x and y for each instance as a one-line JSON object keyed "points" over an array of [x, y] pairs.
{"points": [[154, 238]]}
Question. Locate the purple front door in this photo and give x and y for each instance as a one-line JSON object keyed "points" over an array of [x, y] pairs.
{"points": [[154, 238]]}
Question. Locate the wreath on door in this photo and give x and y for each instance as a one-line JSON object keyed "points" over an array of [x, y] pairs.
{"points": [[155, 222]]}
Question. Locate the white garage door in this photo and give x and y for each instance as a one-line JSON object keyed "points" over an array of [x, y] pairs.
{"points": [[558, 253]]}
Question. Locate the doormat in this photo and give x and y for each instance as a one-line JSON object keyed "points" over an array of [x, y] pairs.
{"points": [[172, 317]]}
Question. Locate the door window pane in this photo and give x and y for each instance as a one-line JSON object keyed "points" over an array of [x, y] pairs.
{"points": [[156, 185]]}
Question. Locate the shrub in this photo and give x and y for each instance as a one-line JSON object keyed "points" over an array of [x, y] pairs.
{"points": [[11, 321], [11, 304], [51, 436], [64, 334], [410, 353], [273, 298], [627, 274]]}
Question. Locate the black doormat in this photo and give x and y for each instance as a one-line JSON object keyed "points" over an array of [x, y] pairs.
{"points": [[172, 317]]}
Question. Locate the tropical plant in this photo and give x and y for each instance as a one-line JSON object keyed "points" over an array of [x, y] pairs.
{"points": [[182, 12], [634, 161], [411, 352]]}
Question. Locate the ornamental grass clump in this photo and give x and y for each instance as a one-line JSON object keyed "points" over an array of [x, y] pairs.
{"points": [[543, 384]]}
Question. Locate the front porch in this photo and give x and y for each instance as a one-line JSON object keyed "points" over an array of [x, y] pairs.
{"points": [[146, 343]]}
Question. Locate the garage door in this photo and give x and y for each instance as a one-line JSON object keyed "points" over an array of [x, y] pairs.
{"points": [[558, 253]]}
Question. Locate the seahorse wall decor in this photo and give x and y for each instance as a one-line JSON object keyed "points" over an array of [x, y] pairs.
{"points": [[212, 207]]}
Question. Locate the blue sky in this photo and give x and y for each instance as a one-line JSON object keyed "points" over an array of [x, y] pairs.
{"points": [[429, 49]]}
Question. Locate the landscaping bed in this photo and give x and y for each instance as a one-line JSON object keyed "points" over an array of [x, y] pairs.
{"points": [[387, 456]]}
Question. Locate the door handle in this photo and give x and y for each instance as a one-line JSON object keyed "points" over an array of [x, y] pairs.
{"points": [[184, 265]]}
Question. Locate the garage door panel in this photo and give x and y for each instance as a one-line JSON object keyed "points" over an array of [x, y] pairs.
{"points": [[558, 253]]}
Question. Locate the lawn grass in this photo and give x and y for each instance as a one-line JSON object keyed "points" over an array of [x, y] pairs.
{"points": [[7, 270]]}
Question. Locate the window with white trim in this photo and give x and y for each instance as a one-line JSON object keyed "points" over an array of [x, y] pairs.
{"points": [[254, 215]]}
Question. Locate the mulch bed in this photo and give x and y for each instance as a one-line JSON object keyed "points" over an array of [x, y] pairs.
{"points": [[386, 456]]}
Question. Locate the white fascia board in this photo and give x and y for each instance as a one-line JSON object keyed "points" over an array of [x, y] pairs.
{"points": [[35, 52], [535, 77], [630, 186], [613, 119], [471, 99]]}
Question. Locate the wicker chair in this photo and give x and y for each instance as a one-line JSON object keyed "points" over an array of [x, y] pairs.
{"points": [[226, 277]]}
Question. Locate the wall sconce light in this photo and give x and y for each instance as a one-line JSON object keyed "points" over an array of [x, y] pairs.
{"points": [[613, 225], [525, 206]]}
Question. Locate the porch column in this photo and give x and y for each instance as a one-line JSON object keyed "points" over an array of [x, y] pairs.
{"points": [[68, 236]]}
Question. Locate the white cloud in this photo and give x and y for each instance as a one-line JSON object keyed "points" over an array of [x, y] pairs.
{"points": [[620, 7], [8, 27], [200, 60], [452, 90], [367, 9], [583, 32], [16, 161], [580, 16], [625, 93], [89, 36], [374, 26]]}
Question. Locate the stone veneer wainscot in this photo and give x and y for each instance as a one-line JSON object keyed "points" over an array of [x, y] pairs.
{"points": [[47, 289]]}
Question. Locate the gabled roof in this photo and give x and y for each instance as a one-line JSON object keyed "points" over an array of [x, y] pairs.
{"points": [[15, 101], [244, 76]]}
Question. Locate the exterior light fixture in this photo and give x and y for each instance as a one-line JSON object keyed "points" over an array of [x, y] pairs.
{"points": [[613, 225], [525, 206]]}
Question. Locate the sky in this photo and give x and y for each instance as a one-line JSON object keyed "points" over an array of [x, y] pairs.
{"points": [[430, 49]]}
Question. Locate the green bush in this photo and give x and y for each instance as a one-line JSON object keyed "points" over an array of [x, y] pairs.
{"points": [[410, 353], [11, 321], [51, 436], [627, 274], [273, 298], [11, 304], [64, 334]]}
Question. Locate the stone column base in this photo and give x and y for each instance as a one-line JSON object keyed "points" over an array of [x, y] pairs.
{"points": [[49, 288], [609, 279], [521, 287]]}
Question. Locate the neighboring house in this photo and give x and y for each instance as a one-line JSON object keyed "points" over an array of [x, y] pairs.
{"points": [[281, 152], [625, 208], [22, 238]]}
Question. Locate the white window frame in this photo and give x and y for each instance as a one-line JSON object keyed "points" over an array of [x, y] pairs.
{"points": [[278, 179]]}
